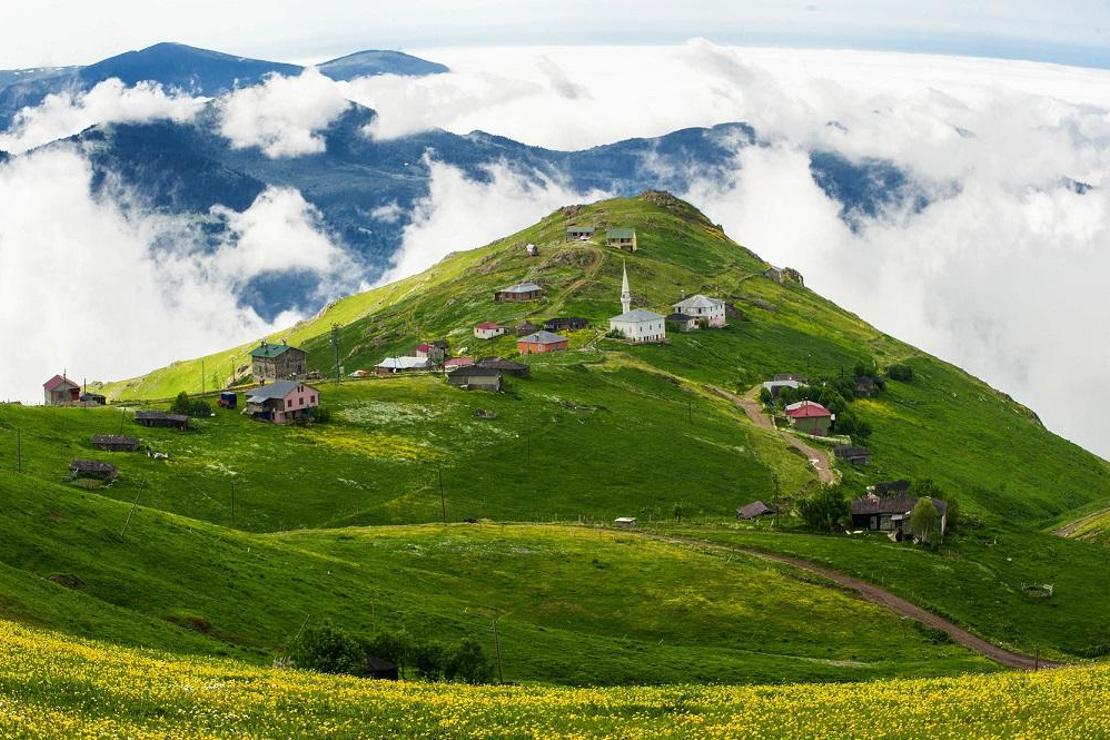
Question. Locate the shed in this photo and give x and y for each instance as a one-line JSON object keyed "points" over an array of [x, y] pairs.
{"points": [[434, 352], [853, 455], [526, 327], [774, 387], [623, 238], [579, 232], [228, 400], [566, 323], [625, 522], [381, 669], [540, 342], [392, 365], [93, 469], [162, 419], [60, 390], [684, 323], [93, 399], [114, 442], [474, 377], [755, 510]]}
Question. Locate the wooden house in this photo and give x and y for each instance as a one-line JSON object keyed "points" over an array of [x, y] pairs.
{"points": [[566, 323], [434, 352], [114, 442], [810, 417], [579, 233], [93, 399], [270, 362], [162, 419], [754, 510], [507, 367], [473, 377], [281, 402], [60, 390], [540, 342], [93, 469], [525, 327], [891, 513], [624, 239], [526, 291]]}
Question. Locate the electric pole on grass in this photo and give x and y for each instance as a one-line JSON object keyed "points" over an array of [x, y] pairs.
{"points": [[497, 649], [131, 513], [335, 348]]}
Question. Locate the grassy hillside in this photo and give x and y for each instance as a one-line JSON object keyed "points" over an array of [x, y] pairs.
{"points": [[50, 685], [577, 605]]}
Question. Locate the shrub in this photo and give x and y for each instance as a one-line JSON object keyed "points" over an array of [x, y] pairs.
{"points": [[926, 488], [825, 510], [396, 647], [765, 397], [327, 649], [924, 520], [321, 415], [468, 663], [900, 371], [182, 404], [429, 659]]}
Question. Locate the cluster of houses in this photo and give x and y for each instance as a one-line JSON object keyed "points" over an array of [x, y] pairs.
{"points": [[61, 391], [622, 238]]}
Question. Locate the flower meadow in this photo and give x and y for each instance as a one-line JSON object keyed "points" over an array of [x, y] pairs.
{"points": [[51, 685]]}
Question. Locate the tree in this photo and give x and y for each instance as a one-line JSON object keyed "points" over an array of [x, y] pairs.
{"points": [[924, 519], [181, 404], [429, 659], [900, 371], [765, 396], [825, 510], [396, 647], [926, 488], [468, 663], [328, 650]]}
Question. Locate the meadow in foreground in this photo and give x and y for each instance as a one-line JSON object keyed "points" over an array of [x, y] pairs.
{"points": [[50, 685]]}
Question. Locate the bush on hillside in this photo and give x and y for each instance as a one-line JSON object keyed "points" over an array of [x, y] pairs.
{"points": [[925, 520], [901, 372], [189, 406], [468, 663], [429, 660], [765, 397], [825, 510], [326, 649], [926, 488], [321, 415]]}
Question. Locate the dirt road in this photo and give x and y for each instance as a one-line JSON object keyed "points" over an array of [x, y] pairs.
{"points": [[754, 410], [877, 595]]}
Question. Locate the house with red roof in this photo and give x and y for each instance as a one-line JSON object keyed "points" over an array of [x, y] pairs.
{"points": [[455, 362], [810, 417], [60, 390], [488, 330]]}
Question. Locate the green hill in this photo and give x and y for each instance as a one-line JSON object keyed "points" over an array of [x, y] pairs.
{"points": [[243, 532]]}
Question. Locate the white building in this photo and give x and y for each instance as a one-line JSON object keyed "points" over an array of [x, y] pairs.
{"points": [[403, 364], [699, 306], [488, 330], [639, 325]]}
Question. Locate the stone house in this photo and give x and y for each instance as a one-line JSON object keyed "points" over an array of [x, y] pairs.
{"points": [[270, 362]]}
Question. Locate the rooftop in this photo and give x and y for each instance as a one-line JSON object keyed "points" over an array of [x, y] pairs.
{"points": [[543, 337], [806, 409], [622, 233], [526, 287], [403, 363], [698, 301], [58, 381], [278, 389], [637, 315]]}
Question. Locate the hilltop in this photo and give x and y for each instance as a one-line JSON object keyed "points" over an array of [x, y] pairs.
{"points": [[421, 506]]}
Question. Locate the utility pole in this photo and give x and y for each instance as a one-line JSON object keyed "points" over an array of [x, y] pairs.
{"points": [[134, 506], [335, 346], [497, 650], [442, 495]]}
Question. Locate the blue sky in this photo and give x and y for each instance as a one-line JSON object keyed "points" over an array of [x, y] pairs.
{"points": [[54, 32]]}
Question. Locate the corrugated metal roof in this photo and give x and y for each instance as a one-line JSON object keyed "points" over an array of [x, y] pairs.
{"points": [[637, 315], [697, 301], [403, 363], [277, 389], [543, 337], [623, 233], [269, 351], [526, 287]]}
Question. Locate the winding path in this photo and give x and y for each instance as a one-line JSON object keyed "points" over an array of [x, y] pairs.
{"points": [[754, 410], [876, 595]]}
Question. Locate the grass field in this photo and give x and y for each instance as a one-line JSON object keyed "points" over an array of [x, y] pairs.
{"points": [[51, 685]]}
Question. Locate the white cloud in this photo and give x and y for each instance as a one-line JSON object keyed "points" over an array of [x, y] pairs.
{"points": [[106, 292], [459, 213], [65, 114], [283, 115]]}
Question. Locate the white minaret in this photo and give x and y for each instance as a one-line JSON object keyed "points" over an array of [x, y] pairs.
{"points": [[626, 294]]}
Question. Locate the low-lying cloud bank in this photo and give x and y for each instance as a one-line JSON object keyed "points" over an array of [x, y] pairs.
{"points": [[103, 291]]}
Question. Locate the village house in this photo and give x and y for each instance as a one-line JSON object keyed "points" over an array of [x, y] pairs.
{"points": [[271, 362], [791, 376], [526, 291], [391, 365], [525, 327], [579, 233], [711, 310], [683, 323], [281, 402], [162, 419], [540, 342], [621, 239], [507, 367], [93, 469], [93, 399], [639, 325], [853, 455], [890, 488], [566, 323], [774, 387], [810, 417], [434, 352], [60, 390], [625, 522], [456, 362], [474, 377], [114, 442], [754, 510], [488, 330], [891, 513]]}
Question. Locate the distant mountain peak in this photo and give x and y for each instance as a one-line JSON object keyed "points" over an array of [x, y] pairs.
{"points": [[371, 62]]}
